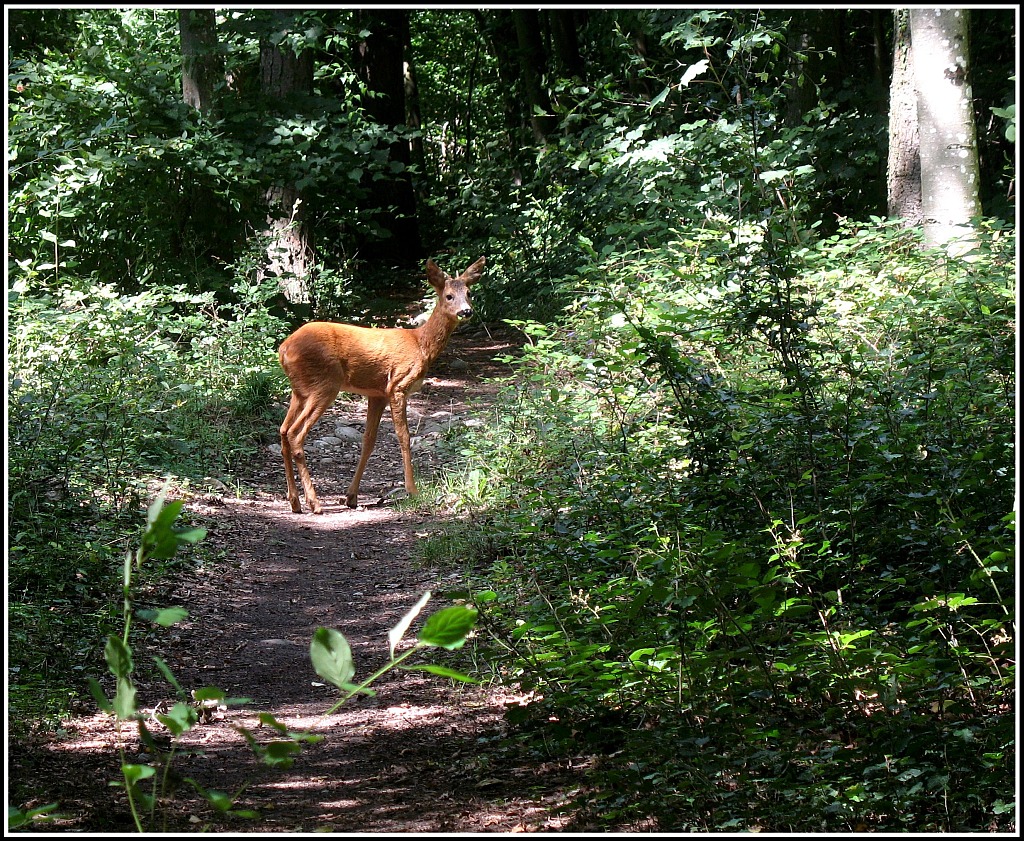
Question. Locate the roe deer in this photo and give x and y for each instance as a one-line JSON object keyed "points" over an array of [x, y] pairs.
{"points": [[385, 365]]}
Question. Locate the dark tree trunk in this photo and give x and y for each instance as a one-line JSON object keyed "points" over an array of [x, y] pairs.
{"points": [[532, 64], [500, 31], [810, 66], [903, 174], [284, 74], [202, 65], [637, 82], [564, 25], [414, 120], [199, 212], [381, 61]]}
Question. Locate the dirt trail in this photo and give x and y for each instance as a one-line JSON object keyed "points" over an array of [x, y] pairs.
{"points": [[407, 759]]}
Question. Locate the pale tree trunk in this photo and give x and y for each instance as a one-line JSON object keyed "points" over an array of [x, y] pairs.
{"points": [[949, 148], [289, 254], [903, 172]]}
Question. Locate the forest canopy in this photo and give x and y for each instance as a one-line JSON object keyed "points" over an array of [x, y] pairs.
{"points": [[745, 510]]}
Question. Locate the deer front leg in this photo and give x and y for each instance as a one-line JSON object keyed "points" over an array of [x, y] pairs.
{"points": [[398, 415], [374, 409]]}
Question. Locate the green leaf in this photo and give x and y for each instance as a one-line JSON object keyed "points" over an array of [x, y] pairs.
{"points": [[209, 693], [846, 639], [100, 696], [221, 801], [161, 512], [165, 670], [396, 633], [164, 617], [134, 773], [270, 721], [332, 657], [440, 671], [161, 539], [118, 657], [190, 535], [19, 817], [280, 753], [125, 706], [180, 719], [693, 71], [660, 98], [448, 628]]}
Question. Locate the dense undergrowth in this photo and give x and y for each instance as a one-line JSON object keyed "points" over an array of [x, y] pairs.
{"points": [[746, 531], [108, 393]]}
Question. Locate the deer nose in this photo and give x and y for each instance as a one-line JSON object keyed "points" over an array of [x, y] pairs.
{"points": [[464, 313]]}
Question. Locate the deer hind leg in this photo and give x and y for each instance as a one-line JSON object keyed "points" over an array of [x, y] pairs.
{"points": [[286, 453], [374, 409], [398, 415], [304, 411]]}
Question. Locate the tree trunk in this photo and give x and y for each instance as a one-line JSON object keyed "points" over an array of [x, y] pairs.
{"points": [[202, 65], [903, 172], [289, 253], [497, 26], [564, 25], [199, 212], [949, 149], [811, 65], [285, 74], [381, 61], [414, 120], [532, 65], [801, 87]]}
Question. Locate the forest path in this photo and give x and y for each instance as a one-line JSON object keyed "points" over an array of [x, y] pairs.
{"points": [[408, 759]]}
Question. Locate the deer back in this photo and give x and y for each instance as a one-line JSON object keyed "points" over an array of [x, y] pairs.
{"points": [[322, 356]]}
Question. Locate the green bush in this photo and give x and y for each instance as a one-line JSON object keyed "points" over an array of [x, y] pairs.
{"points": [[749, 504], [106, 392]]}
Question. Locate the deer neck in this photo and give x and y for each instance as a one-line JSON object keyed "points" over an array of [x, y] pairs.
{"points": [[434, 335]]}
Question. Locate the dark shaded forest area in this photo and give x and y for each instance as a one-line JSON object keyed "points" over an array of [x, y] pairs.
{"points": [[740, 520]]}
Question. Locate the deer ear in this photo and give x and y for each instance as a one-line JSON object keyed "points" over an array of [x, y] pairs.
{"points": [[472, 274], [435, 275]]}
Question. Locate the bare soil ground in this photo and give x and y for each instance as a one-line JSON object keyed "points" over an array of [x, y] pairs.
{"points": [[412, 758]]}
